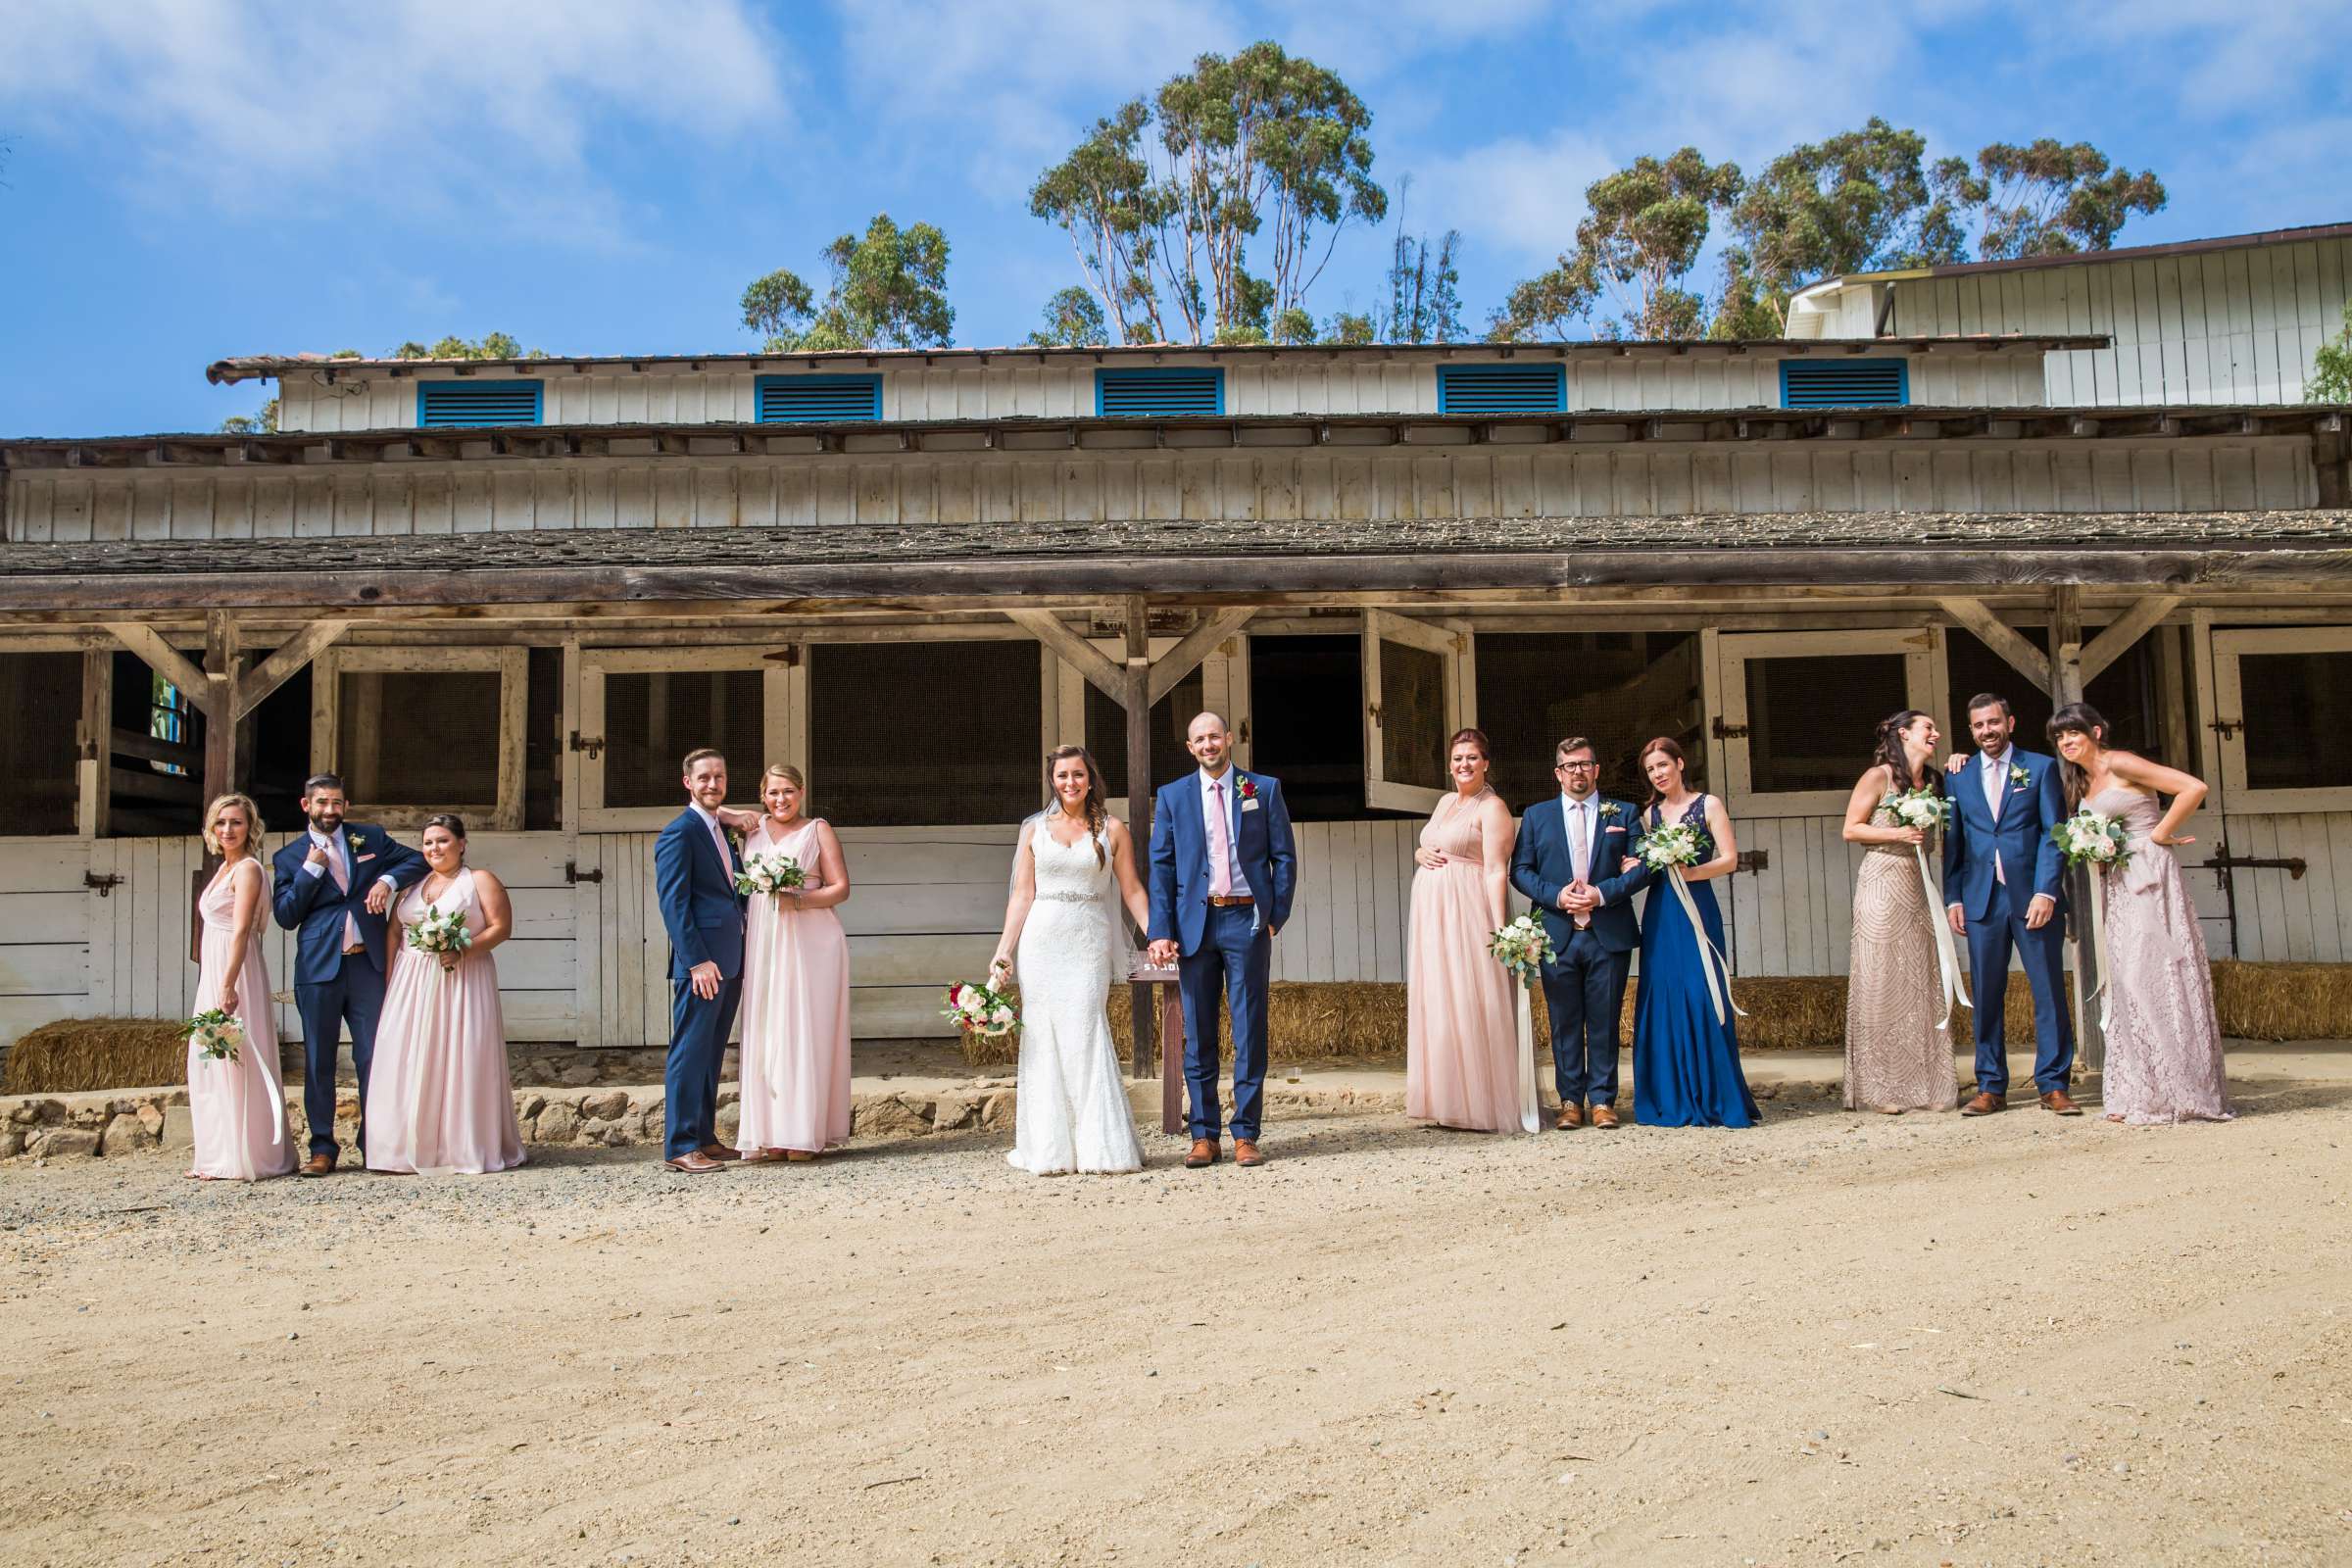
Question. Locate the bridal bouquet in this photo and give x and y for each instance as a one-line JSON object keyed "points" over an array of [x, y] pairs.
{"points": [[1667, 846], [215, 1034], [1924, 809], [441, 931], [1521, 947], [2092, 838], [982, 1011], [773, 872]]}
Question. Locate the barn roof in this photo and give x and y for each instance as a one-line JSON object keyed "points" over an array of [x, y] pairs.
{"points": [[2123, 252]]}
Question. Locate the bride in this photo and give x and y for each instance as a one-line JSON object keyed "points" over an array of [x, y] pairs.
{"points": [[1074, 866]]}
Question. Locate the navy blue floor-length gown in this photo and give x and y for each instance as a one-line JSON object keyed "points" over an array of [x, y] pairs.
{"points": [[1686, 1065]]}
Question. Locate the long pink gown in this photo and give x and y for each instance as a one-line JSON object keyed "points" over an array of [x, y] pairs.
{"points": [[237, 1109], [796, 1013], [439, 1099], [2163, 1046], [1461, 1042]]}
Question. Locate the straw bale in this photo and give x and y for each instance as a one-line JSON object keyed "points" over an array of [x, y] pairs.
{"points": [[83, 1053]]}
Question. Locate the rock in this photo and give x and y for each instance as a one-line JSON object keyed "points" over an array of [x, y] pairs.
{"points": [[577, 1076], [730, 1121], [606, 1106], [615, 1136], [886, 1114], [950, 1112], [728, 1097], [12, 1144], [124, 1135], [531, 1105], [151, 1117], [23, 1115], [57, 1141], [178, 1130], [996, 1111], [557, 1123]]}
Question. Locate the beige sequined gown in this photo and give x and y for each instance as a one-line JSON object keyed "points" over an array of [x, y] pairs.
{"points": [[2164, 1049], [1896, 1057]]}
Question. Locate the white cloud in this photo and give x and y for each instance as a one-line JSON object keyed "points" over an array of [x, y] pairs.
{"points": [[252, 104], [1518, 197]]}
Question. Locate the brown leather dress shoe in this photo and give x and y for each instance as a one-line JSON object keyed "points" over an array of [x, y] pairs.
{"points": [[2056, 1102], [1204, 1153], [1604, 1116], [694, 1164], [1984, 1105], [719, 1151], [1245, 1152], [1570, 1119], [316, 1165]]}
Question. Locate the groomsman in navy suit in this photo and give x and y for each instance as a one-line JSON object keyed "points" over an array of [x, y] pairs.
{"points": [[2002, 871], [694, 865], [1222, 874], [333, 887], [1566, 861]]}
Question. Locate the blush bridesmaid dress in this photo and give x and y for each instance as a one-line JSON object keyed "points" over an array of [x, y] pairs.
{"points": [[795, 1058], [237, 1109], [1462, 1050], [439, 1099]]}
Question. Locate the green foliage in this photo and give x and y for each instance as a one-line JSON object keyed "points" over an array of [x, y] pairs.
{"points": [[2332, 367], [888, 289], [1073, 320], [262, 421], [1163, 200], [1644, 230], [2045, 199], [1350, 327], [489, 346]]}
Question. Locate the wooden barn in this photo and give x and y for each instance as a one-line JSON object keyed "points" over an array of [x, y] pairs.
{"points": [[523, 589]]}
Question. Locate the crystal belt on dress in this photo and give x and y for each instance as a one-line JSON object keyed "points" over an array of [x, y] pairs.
{"points": [[1068, 898]]}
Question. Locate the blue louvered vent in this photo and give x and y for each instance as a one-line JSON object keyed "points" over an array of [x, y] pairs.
{"points": [[818, 399], [461, 403], [1844, 383], [1502, 390], [1159, 391]]}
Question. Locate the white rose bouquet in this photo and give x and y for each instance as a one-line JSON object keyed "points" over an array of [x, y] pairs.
{"points": [[1521, 946], [215, 1034], [771, 874], [1668, 846], [982, 1011], [2092, 838], [441, 931], [1923, 809]]}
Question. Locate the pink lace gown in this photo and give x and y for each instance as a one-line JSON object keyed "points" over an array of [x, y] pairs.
{"points": [[439, 1097], [796, 1013], [2164, 1049], [1461, 1042], [237, 1109]]}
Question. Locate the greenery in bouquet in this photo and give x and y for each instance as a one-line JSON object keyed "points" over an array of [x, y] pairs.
{"points": [[773, 872], [1926, 808], [1521, 946], [2093, 838], [441, 931], [1668, 845], [982, 1011], [215, 1034]]}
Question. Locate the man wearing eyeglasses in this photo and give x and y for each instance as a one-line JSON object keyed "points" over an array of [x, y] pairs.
{"points": [[1566, 861]]}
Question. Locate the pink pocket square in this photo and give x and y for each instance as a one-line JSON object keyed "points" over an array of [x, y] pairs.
{"points": [[368, 857]]}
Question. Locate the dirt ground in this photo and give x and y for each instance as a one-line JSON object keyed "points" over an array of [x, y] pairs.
{"points": [[1837, 1338]]}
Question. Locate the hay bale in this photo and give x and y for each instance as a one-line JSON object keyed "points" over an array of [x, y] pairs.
{"points": [[76, 1055], [2282, 1000]]}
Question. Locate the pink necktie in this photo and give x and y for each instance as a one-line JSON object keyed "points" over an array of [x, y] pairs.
{"points": [[727, 861], [342, 875], [1220, 873]]}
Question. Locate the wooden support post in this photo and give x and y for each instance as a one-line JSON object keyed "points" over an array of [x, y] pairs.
{"points": [[275, 670], [1136, 697], [2066, 686], [1198, 644], [2125, 631], [95, 746], [218, 703]]}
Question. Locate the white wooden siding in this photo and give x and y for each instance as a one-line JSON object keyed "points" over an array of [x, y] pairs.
{"points": [[1012, 390], [2221, 327], [1277, 483]]}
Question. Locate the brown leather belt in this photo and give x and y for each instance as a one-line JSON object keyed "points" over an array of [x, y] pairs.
{"points": [[1242, 903], [355, 949]]}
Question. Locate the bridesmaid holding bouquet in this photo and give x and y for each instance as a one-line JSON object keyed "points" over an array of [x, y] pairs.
{"points": [[236, 1104], [795, 1058], [1899, 998], [440, 1100]]}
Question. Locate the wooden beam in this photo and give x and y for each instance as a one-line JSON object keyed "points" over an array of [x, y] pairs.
{"points": [[220, 658], [2125, 631], [2003, 639], [96, 743], [161, 657], [1198, 644], [1074, 650], [274, 672], [1136, 698], [2066, 644]]}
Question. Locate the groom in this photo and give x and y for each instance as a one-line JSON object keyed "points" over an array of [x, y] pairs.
{"points": [[333, 887], [1566, 861], [2001, 873], [1222, 873], [693, 879]]}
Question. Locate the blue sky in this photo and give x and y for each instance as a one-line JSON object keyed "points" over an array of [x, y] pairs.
{"points": [[196, 178]]}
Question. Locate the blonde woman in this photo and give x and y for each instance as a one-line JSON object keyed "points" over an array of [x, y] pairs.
{"points": [[236, 1109], [795, 1059]]}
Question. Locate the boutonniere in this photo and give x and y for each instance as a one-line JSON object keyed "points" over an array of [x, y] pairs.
{"points": [[2019, 776], [1246, 789], [1610, 810]]}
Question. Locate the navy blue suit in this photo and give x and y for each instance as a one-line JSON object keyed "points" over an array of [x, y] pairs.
{"points": [[1996, 910], [1583, 980], [1230, 948], [704, 916], [332, 988]]}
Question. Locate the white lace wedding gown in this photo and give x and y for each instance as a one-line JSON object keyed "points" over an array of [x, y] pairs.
{"points": [[1071, 1111]]}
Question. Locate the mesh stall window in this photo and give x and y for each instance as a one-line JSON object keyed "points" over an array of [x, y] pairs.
{"points": [[1616, 689], [2125, 692], [1307, 724], [1412, 715], [41, 695], [421, 737], [654, 718], [925, 734], [2296, 709], [1107, 734], [1810, 719]]}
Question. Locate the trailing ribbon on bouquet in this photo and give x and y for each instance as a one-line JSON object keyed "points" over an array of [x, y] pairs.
{"points": [[1710, 957], [2098, 939], [1531, 1115], [1948, 957]]}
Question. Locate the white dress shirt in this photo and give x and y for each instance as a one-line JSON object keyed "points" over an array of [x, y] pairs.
{"points": [[338, 850], [1231, 826], [718, 837], [1996, 795]]}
